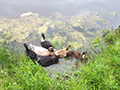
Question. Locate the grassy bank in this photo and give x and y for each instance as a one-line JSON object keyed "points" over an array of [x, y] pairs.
{"points": [[19, 73]]}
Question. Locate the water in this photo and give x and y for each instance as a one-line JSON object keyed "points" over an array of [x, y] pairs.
{"points": [[65, 7], [105, 9], [47, 7]]}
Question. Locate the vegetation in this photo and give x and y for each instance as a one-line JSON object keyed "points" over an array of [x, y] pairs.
{"points": [[19, 73], [77, 29]]}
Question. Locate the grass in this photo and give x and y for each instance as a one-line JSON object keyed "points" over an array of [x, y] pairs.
{"points": [[103, 73], [19, 73]]}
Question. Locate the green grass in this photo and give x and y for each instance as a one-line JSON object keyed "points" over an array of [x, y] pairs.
{"points": [[104, 72], [19, 73]]}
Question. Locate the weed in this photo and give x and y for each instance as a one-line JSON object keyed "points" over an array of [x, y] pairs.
{"points": [[18, 72]]}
